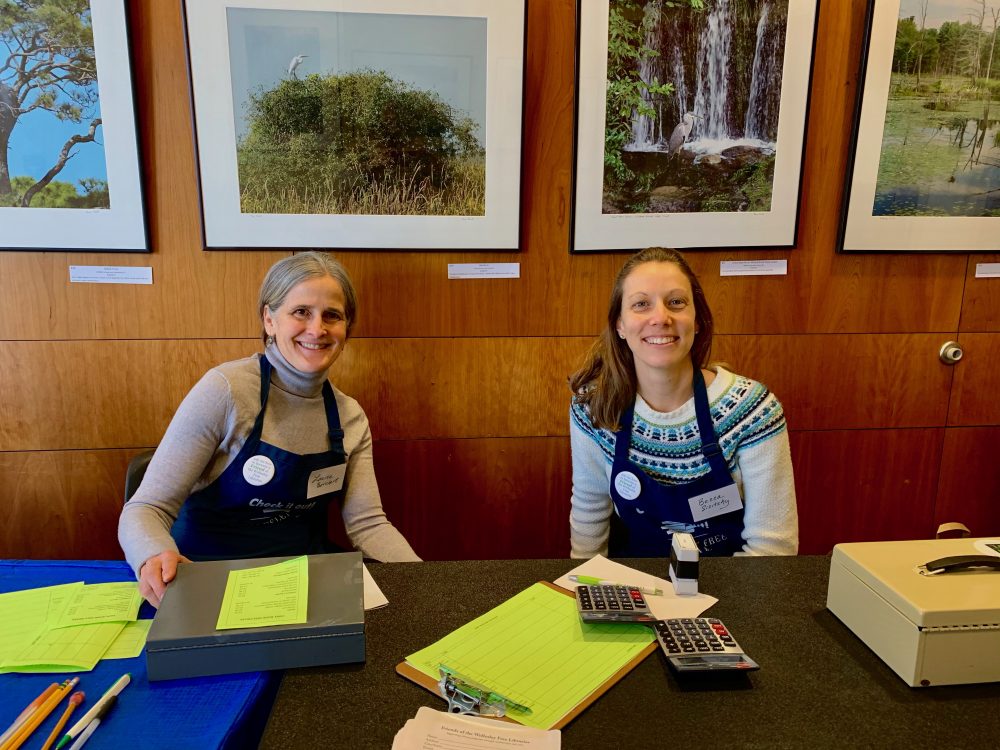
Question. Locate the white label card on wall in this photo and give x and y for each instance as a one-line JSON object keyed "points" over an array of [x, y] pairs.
{"points": [[988, 270], [715, 503], [753, 268], [326, 480], [111, 274], [484, 270]]}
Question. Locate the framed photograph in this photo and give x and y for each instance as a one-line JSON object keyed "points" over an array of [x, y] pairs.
{"points": [[70, 172], [366, 124], [690, 122], [924, 175]]}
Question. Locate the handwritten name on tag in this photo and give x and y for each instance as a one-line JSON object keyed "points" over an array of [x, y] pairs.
{"points": [[326, 480], [715, 503]]}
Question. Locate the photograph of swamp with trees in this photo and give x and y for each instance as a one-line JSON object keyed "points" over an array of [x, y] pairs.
{"points": [[51, 154], [693, 99], [940, 151], [359, 113]]}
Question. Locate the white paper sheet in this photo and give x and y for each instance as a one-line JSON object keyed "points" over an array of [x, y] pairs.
{"points": [[431, 730], [374, 598], [663, 607]]}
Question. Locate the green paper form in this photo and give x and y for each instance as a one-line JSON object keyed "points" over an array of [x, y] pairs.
{"points": [[130, 641], [269, 595], [101, 602], [24, 614], [72, 649], [534, 649]]}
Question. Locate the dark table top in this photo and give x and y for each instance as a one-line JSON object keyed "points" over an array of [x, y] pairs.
{"points": [[818, 686]]}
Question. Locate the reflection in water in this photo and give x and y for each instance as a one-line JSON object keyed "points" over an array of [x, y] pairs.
{"points": [[966, 181]]}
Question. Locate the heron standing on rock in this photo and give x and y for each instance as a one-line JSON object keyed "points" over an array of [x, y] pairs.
{"points": [[681, 133], [296, 61]]}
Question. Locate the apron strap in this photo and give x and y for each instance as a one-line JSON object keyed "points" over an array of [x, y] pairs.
{"points": [[333, 427], [623, 438], [709, 440]]}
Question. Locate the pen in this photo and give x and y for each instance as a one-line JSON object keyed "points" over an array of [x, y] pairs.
{"points": [[94, 724], [591, 581], [81, 725]]}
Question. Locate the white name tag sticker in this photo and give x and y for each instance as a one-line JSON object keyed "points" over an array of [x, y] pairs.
{"points": [[715, 503], [326, 480]]}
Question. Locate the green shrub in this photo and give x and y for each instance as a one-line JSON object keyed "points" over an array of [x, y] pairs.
{"points": [[347, 134]]}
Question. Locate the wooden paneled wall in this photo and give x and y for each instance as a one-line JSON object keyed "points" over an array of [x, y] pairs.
{"points": [[464, 381]]}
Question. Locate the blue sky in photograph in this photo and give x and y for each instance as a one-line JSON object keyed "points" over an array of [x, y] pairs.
{"points": [[444, 54], [38, 138]]}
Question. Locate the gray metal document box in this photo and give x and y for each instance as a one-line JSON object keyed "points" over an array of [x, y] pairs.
{"points": [[183, 641]]}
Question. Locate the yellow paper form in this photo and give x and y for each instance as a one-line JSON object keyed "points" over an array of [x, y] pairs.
{"points": [[534, 649], [24, 614], [269, 595], [73, 649], [130, 641], [101, 602]]}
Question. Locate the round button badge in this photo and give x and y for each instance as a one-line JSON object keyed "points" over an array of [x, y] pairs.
{"points": [[627, 485], [258, 470]]}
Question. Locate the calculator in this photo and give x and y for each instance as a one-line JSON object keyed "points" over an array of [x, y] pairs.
{"points": [[612, 604], [701, 644]]}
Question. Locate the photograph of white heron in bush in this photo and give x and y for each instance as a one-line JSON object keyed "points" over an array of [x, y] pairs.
{"points": [[941, 142], [693, 98], [337, 114]]}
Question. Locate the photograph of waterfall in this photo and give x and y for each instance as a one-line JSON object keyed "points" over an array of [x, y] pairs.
{"points": [[926, 167], [691, 118], [370, 124]]}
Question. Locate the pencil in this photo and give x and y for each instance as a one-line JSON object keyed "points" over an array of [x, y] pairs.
{"points": [[27, 712], [39, 716], [74, 700]]}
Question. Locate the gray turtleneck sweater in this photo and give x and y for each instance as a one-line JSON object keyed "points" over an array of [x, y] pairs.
{"points": [[210, 427]]}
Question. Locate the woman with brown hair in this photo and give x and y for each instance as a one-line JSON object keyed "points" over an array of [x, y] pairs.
{"points": [[663, 442]]}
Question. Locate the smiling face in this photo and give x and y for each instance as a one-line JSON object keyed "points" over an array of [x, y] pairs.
{"points": [[657, 318], [310, 326]]}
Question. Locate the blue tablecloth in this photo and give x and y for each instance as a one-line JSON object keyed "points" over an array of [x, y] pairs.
{"points": [[197, 714]]}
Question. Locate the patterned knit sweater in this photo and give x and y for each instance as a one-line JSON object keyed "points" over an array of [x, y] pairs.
{"points": [[667, 445]]}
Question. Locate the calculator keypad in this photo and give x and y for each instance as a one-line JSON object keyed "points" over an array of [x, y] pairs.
{"points": [[612, 604], [700, 643]]}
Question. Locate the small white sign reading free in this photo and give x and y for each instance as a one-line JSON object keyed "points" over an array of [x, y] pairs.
{"points": [[715, 503]]}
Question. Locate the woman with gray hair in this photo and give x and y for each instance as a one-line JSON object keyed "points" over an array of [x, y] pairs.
{"points": [[263, 451]]}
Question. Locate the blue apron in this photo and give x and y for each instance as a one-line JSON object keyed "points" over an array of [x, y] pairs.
{"points": [[644, 526], [232, 518]]}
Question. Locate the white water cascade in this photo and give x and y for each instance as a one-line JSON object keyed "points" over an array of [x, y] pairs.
{"points": [[765, 64], [645, 134], [696, 56], [712, 92]]}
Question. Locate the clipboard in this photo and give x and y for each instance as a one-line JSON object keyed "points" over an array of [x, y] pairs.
{"points": [[410, 672]]}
